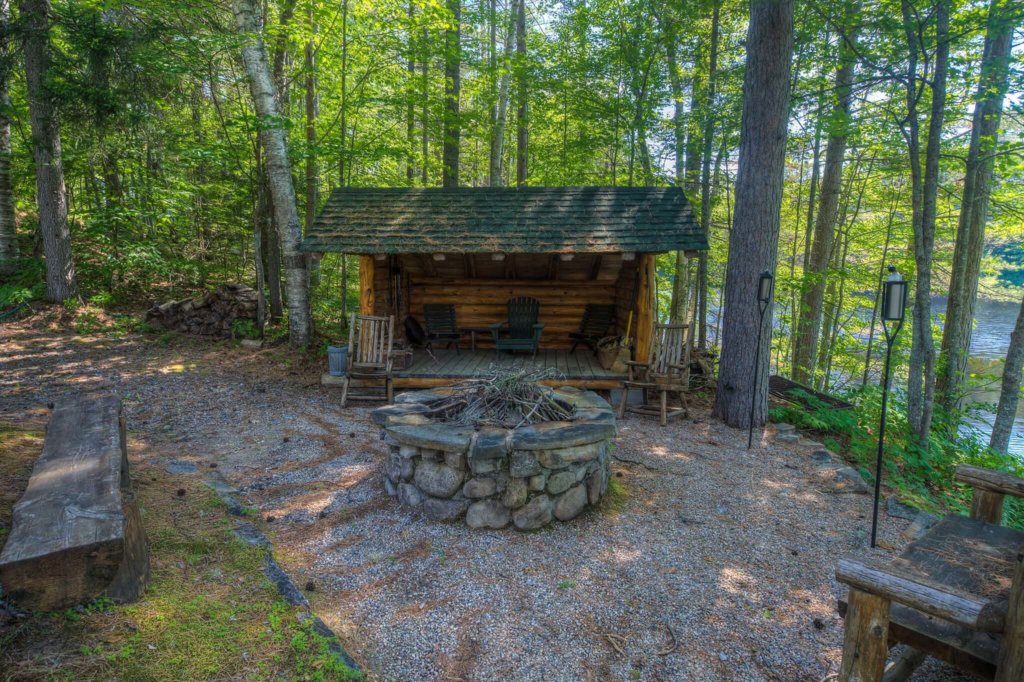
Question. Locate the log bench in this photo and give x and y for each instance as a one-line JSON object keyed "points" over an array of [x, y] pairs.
{"points": [[956, 593], [76, 533]]}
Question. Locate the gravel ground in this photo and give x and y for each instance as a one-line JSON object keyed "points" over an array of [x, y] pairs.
{"points": [[715, 564]]}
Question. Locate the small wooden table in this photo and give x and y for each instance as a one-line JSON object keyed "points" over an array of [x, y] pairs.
{"points": [[473, 331], [956, 593]]}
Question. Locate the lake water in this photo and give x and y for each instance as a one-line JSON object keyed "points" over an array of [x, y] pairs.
{"points": [[991, 338]]}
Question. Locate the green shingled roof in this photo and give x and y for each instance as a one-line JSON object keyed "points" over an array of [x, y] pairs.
{"points": [[512, 220]]}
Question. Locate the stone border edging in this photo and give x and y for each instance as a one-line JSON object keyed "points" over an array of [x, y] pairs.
{"points": [[286, 587]]}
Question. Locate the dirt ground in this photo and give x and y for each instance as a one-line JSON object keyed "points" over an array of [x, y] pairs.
{"points": [[713, 562]]}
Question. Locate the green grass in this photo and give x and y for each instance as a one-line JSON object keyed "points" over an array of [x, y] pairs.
{"points": [[615, 497], [208, 613]]}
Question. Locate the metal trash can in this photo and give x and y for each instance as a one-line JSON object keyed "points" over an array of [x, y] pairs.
{"points": [[337, 359]]}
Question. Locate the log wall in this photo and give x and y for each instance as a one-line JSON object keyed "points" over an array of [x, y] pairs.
{"points": [[475, 286]]}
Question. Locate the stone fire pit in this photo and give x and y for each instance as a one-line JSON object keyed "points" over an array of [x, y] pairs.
{"points": [[494, 476]]}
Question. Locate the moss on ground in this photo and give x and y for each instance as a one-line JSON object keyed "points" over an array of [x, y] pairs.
{"points": [[209, 613]]}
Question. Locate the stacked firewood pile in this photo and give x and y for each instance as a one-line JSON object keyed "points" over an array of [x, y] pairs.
{"points": [[210, 314]]}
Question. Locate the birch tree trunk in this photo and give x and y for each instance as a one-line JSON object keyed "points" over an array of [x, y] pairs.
{"points": [[815, 270], [452, 90], [8, 232], [970, 238], [279, 176], [1009, 394], [755, 234], [61, 282]]}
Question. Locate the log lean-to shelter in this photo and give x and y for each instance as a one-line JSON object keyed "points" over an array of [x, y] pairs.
{"points": [[476, 248]]}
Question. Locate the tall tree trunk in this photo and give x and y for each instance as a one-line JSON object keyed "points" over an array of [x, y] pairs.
{"points": [[343, 169], [8, 231], [279, 176], [921, 388], [678, 107], [970, 238], [425, 110], [1009, 394], [500, 115], [312, 168], [679, 146], [51, 193], [755, 233], [410, 107], [705, 181], [811, 302], [452, 89], [522, 107]]}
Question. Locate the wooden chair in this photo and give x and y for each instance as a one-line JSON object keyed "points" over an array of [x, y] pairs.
{"points": [[667, 370], [596, 320], [956, 593], [521, 328], [441, 325], [369, 354]]}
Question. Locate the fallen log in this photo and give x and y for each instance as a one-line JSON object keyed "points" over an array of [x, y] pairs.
{"points": [[76, 533]]}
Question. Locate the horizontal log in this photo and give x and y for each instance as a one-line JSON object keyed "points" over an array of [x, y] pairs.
{"points": [[895, 583], [987, 479], [76, 533]]}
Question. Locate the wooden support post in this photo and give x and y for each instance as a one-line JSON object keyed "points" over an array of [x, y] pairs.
{"points": [[366, 291], [866, 642], [1011, 654], [646, 306], [987, 505]]}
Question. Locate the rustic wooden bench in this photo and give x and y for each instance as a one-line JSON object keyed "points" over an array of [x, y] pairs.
{"points": [[76, 533], [956, 593]]}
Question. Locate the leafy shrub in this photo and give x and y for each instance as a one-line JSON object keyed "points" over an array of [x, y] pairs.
{"points": [[922, 474], [244, 329]]}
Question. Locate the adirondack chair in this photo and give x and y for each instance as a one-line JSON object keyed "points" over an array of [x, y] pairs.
{"points": [[369, 354], [667, 370], [441, 325], [955, 593], [596, 320], [522, 329]]}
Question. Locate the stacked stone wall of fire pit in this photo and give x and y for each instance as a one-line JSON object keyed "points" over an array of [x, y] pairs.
{"points": [[493, 477]]}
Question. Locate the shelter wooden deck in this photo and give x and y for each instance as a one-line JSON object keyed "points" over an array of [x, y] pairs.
{"points": [[579, 369]]}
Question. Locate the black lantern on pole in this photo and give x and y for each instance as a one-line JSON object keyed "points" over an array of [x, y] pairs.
{"points": [[765, 286], [894, 306]]}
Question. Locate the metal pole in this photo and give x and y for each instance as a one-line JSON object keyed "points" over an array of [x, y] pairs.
{"points": [[757, 367], [881, 427]]}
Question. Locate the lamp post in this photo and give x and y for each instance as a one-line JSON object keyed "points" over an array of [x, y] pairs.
{"points": [[894, 306], [765, 285]]}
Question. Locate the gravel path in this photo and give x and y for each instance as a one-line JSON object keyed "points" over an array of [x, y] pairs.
{"points": [[715, 564]]}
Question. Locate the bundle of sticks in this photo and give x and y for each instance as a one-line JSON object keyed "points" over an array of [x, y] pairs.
{"points": [[507, 398]]}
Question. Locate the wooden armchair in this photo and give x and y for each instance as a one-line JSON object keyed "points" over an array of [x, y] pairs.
{"points": [[441, 325], [956, 593], [596, 320], [369, 355], [522, 331], [667, 370]]}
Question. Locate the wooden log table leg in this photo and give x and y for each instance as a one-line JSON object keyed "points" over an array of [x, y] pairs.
{"points": [[866, 643], [987, 506], [1011, 654]]}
